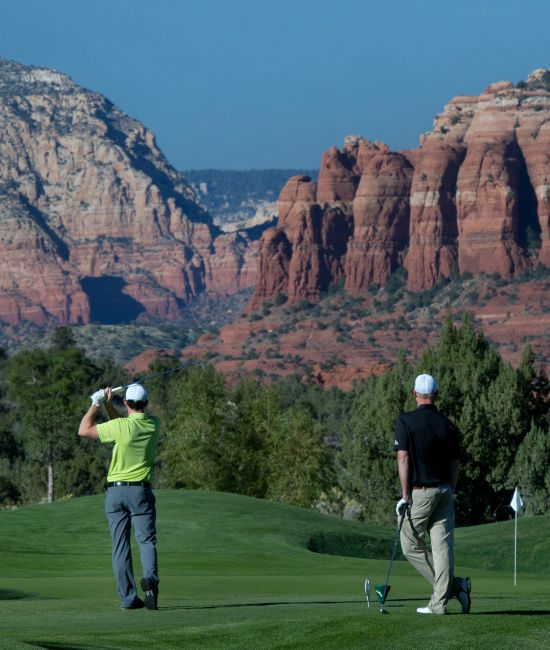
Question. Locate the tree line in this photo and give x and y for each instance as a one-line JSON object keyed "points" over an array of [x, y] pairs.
{"points": [[286, 440]]}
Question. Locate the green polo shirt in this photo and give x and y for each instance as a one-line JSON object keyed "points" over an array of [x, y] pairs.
{"points": [[135, 439]]}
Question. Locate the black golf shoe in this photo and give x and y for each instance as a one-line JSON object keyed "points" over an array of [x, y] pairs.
{"points": [[463, 588], [137, 603], [151, 593]]}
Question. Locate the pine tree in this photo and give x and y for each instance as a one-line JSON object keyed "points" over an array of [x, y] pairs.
{"points": [[49, 390], [196, 424], [532, 469], [298, 461], [366, 464]]}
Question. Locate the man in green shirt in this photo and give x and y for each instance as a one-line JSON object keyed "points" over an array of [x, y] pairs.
{"points": [[129, 498]]}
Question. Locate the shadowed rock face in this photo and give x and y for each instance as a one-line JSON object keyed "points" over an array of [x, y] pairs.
{"points": [[474, 197], [85, 193], [433, 230]]}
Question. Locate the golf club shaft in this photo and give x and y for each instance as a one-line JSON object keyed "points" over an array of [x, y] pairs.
{"points": [[394, 549], [121, 389]]}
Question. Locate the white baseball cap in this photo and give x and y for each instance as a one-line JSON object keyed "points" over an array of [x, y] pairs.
{"points": [[425, 385], [136, 393]]}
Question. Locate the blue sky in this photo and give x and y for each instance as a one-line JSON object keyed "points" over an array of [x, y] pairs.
{"points": [[242, 84]]}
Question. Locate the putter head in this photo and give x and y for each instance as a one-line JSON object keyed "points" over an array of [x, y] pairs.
{"points": [[382, 592]]}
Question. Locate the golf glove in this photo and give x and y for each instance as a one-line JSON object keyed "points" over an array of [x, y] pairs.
{"points": [[402, 506], [98, 398]]}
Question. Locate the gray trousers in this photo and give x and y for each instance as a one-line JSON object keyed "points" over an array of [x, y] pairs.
{"points": [[126, 506], [432, 512]]}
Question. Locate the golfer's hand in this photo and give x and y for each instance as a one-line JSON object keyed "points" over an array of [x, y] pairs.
{"points": [[98, 398], [402, 506], [109, 394]]}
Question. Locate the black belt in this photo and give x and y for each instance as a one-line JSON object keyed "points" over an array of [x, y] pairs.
{"points": [[128, 483], [420, 486]]}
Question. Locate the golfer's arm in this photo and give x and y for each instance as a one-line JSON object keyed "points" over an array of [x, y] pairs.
{"points": [[454, 474], [87, 428], [109, 407], [404, 469], [111, 411]]}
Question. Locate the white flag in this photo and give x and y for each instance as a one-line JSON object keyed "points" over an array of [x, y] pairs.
{"points": [[516, 503]]}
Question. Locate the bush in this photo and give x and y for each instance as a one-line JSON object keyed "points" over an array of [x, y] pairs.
{"points": [[397, 280], [472, 297]]}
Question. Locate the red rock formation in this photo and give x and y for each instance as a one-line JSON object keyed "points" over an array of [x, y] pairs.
{"points": [[487, 206], [87, 195], [433, 234], [36, 283], [533, 136], [233, 264], [474, 197], [338, 176], [274, 260], [487, 187], [305, 252], [380, 221]]}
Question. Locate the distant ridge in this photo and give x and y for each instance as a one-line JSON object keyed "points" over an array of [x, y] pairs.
{"points": [[239, 199]]}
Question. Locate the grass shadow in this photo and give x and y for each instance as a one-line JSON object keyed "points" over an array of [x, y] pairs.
{"points": [[394, 602], [348, 544], [265, 604], [48, 645], [12, 594], [514, 612]]}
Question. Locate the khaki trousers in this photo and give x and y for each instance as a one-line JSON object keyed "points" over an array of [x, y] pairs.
{"points": [[432, 512]]}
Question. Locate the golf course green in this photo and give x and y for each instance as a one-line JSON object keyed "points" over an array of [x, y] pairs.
{"points": [[238, 572]]}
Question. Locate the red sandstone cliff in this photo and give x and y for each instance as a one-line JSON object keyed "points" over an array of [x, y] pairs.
{"points": [[96, 224], [474, 197], [93, 217]]}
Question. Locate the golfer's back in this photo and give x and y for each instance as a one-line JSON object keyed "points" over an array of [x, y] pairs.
{"points": [[136, 439], [432, 441]]}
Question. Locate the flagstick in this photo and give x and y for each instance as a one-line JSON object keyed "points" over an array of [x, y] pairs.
{"points": [[515, 544], [516, 503]]}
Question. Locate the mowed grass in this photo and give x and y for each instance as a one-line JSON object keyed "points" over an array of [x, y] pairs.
{"points": [[236, 573]]}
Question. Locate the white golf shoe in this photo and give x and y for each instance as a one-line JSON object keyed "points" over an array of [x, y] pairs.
{"points": [[429, 610]]}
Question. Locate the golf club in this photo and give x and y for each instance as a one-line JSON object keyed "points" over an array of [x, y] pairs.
{"points": [[121, 389], [383, 590]]}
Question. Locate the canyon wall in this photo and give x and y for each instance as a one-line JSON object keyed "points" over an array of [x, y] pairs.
{"points": [[95, 223]]}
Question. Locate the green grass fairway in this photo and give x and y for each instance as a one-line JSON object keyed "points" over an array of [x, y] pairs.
{"points": [[236, 573]]}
